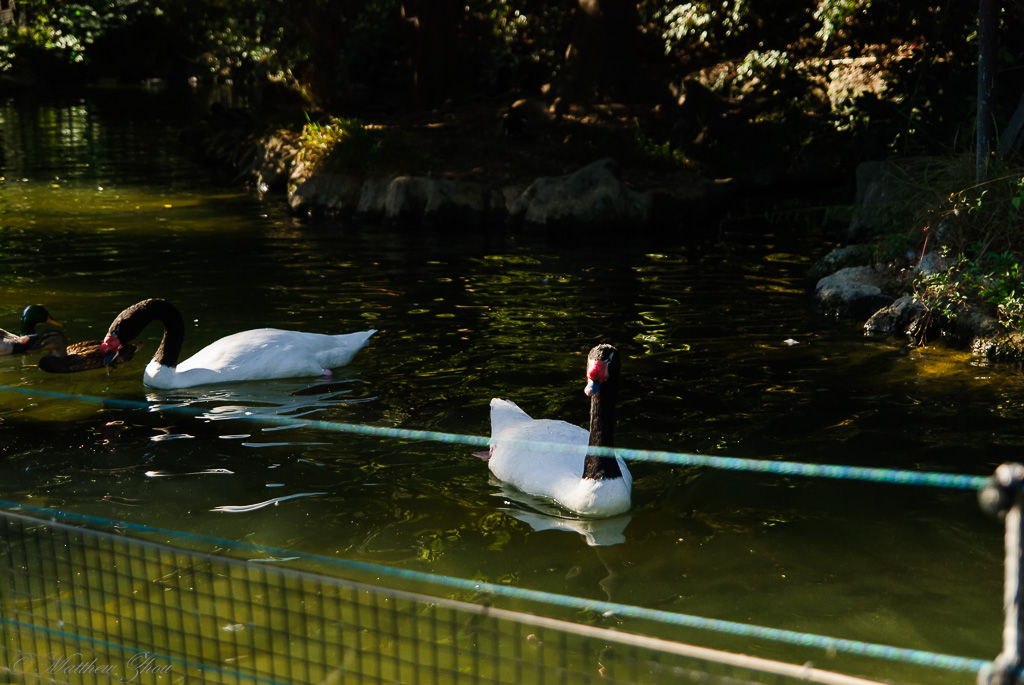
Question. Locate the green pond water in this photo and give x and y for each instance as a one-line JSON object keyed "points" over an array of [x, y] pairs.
{"points": [[722, 356]]}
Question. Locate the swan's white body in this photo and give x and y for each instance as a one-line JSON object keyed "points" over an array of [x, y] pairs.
{"points": [[262, 353], [555, 473]]}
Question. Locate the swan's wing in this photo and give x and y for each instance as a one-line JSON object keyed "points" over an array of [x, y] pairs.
{"points": [[505, 415], [534, 468], [272, 353], [247, 350], [511, 426]]}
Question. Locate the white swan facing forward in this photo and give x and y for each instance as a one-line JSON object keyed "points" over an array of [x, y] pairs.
{"points": [[258, 354], [586, 484]]}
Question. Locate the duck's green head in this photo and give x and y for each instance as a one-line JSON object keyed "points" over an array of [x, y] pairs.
{"points": [[33, 315]]}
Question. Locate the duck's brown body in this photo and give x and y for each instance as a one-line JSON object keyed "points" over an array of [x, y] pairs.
{"points": [[80, 356]]}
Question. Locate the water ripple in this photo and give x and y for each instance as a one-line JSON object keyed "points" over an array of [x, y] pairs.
{"points": [[242, 508]]}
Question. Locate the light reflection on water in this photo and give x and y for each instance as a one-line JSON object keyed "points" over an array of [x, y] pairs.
{"points": [[707, 331]]}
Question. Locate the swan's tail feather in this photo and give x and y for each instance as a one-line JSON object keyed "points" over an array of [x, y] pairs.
{"points": [[505, 414], [348, 344], [356, 339]]}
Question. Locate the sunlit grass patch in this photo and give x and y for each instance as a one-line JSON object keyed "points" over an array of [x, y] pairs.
{"points": [[339, 144]]}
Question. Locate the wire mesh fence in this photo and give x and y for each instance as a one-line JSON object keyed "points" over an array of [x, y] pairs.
{"points": [[95, 604]]}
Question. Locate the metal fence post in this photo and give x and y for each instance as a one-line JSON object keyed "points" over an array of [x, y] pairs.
{"points": [[1004, 497]]}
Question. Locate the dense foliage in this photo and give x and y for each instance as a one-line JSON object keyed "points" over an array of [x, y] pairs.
{"points": [[343, 54], [329, 46]]}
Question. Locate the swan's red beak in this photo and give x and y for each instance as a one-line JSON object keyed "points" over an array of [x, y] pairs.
{"points": [[110, 344], [597, 373]]}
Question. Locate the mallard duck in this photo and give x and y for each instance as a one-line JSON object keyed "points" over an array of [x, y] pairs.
{"points": [[258, 354], [33, 315], [80, 356], [586, 484]]}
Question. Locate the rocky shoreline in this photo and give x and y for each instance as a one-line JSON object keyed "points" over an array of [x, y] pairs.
{"points": [[846, 283], [876, 295], [592, 196]]}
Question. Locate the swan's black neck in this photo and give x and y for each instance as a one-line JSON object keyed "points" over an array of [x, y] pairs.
{"points": [[602, 419], [130, 323]]}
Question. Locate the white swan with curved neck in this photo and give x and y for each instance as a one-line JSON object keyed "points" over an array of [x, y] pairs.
{"points": [[258, 354], [586, 484]]}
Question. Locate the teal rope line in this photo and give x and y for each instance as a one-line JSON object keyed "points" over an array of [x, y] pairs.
{"points": [[786, 468], [792, 468], [853, 647]]}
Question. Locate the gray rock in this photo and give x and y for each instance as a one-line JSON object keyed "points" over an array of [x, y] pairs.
{"points": [[978, 326], [434, 202], [904, 317], [855, 291], [687, 208], [272, 165], [456, 204], [1004, 347], [324, 195], [320, 195], [840, 258], [509, 194], [932, 263], [405, 198], [593, 195], [372, 196]]}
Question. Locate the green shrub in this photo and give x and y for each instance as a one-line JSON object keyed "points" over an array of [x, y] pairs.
{"points": [[662, 152], [340, 144], [988, 281], [706, 22], [977, 227], [833, 14]]}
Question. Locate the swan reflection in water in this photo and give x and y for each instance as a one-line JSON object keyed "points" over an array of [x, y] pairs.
{"points": [[540, 515], [270, 404]]}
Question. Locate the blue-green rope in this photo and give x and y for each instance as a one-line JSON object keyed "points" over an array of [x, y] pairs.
{"points": [[830, 644], [787, 468]]}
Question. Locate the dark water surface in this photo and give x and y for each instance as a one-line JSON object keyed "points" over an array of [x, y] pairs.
{"points": [[722, 357]]}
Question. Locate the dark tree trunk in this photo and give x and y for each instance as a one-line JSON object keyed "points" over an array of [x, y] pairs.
{"points": [[1012, 139], [324, 28], [603, 56], [987, 28], [434, 49]]}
